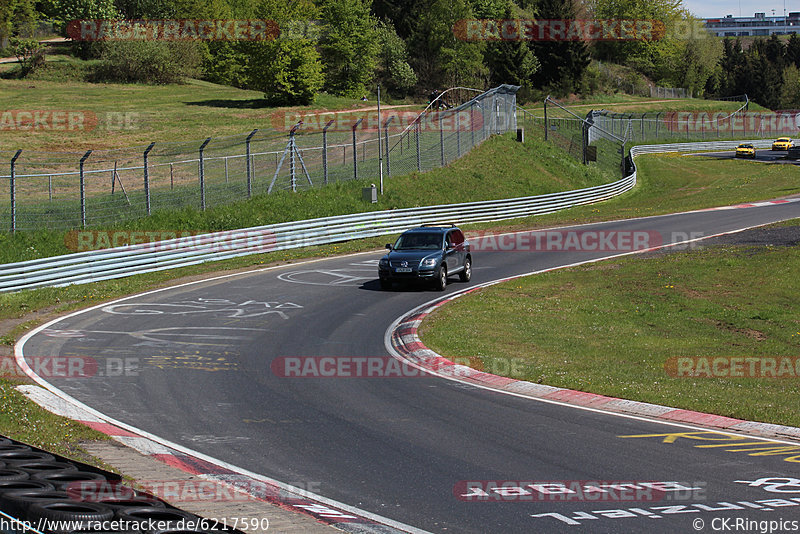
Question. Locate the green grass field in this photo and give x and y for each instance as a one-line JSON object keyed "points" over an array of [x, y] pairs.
{"points": [[612, 327]]}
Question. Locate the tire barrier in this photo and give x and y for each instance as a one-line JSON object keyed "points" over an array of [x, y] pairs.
{"points": [[37, 486]]}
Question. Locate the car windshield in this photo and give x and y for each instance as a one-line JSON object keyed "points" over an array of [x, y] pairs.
{"points": [[419, 240], [783, 139], [745, 146]]}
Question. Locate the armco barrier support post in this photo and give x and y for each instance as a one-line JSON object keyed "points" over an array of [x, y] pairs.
{"points": [[147, 178], [325, 151], [83, 189], [202, 176], [355, 150], [12, 185], [249, 163]]}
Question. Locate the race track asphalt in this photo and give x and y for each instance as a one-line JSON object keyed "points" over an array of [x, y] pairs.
{"points": [[199, 374]]}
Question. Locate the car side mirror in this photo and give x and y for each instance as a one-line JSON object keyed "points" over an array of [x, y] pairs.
{"points": [[389, 246]]}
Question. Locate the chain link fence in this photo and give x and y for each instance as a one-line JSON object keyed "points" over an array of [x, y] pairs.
{"points": [[104, 187], [586, 142], [603, 137], [669, 92]]}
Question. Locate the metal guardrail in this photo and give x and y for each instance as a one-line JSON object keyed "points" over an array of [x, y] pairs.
{"points": [[98, 265]]}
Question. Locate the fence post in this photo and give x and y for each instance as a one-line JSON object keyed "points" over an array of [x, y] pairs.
{"points": [[416, 134], [622, 163], [202, 176], [472, 126], [441, 136], [83, 190], [325, 151], [13, 192], [458, 134], [147, 178], [386, 136], [292, 150], [249, 163], [355, 149], [50, 188]]}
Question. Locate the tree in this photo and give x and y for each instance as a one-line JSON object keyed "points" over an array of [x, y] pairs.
{"points": [[792, 55], [394, 72], [288, 71], [562, 63], [348, 46], [698, 60], [790, 92], [511, 62], [438, 56], [17, 19]]}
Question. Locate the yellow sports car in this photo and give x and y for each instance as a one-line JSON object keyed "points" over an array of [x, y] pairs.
{"points": [[782, 143], [746, 151]]}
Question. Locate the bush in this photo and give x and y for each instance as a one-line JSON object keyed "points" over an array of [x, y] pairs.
{"points": [[30, 54], [152, 62]]}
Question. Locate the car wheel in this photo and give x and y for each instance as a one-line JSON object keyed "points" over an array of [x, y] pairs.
{"points": [[441, 278], [466, 274]]}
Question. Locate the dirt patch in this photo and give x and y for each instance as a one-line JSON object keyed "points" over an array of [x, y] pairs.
{"points": [[748, 332]]}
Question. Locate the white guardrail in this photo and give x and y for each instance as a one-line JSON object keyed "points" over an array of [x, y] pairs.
{"points": [[119, 262]]}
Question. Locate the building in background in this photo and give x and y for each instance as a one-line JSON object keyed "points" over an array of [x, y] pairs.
{"points": [[758, 24]]}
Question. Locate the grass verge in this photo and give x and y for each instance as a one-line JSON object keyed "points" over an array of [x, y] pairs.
{"points": [[611, 327]]}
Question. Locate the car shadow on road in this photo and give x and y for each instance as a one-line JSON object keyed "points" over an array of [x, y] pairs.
{"points": [[375, 285]]}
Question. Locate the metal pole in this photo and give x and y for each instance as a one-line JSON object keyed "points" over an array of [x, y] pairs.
{"points": [[83, 190], [472, 126], [226, 169], [249, 163], [147, 178], [50, 188], [416, 133], [202, 176], [292, 179], [325, 151], [441, 137], [171, 178], [13, 192], [380, 158], [355, 150], [386, 134], [458, 135]]}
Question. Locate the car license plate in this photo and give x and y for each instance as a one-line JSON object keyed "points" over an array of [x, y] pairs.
{"points": [[403, 270]]}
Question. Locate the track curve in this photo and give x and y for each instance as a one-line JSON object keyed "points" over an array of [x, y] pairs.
{"points": [[399, 448]]}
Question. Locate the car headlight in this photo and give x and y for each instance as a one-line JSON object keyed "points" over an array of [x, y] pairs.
{"points": [[384, 262], [428, 262]]}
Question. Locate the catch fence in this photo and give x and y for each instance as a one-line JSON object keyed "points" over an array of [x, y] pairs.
{"points": [[92, 188]]}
